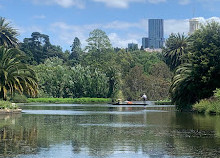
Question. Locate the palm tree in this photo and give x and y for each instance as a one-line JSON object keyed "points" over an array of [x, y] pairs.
{"points": [[14, 74], [184, 87], [175, 49], [7, 34]]}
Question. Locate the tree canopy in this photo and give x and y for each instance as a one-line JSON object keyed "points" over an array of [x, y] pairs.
{"points": [[14, 74], [8, 35], [199, 77]]}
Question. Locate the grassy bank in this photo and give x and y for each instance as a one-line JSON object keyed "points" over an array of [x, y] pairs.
{"points": [[69, 100], [163, 102], [7, 105], [208, 106]]}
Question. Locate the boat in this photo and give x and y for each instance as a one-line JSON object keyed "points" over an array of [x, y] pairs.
{"points": [[128, 104]]}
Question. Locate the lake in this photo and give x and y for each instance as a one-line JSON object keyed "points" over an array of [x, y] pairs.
{"points": [[107, 131]]}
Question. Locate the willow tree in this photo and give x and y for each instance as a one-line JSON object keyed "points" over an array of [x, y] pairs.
{"points": [[14, 74], [8, 35]]}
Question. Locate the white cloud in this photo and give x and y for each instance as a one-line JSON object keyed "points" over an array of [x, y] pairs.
{"points": [[125, 3], [63, 34], [62, 3], [184, 2], [39, 17], [117, 41], [156, 1], [176, 26], [66, 33], [120, 25]]}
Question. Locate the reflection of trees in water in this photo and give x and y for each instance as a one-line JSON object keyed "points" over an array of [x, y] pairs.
{"points": [[194, 135], [103, 134], [17, 140]]}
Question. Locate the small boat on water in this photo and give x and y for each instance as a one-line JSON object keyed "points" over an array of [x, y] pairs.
{"points": [[128, 104]]}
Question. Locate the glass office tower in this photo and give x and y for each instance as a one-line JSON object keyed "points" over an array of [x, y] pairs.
{"points": [[156, 33]]}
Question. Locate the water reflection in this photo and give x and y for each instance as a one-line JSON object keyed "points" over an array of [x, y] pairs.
{"points": [[108, 131]]}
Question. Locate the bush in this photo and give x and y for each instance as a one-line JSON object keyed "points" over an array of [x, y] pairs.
{"points": [[17, 98], [208, 106], [7, 105]]}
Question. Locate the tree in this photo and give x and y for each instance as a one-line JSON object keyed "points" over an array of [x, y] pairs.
{"points": [[14, 74], [75, 51], [135, 83], [38, 48], [98, 41], [8, 35], [175, 50], [199, 77]]}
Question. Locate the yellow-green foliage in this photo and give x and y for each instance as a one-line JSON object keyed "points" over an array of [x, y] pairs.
{"points": [[7, 105], [208, 106], [69, 100]]}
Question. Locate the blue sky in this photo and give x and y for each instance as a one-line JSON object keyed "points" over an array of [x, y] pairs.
{"points": [[124, 21]]}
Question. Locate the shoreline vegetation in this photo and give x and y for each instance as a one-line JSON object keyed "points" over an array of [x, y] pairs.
{"points": [[69, 100], [210, 105], [7, 107], [163, 102]]}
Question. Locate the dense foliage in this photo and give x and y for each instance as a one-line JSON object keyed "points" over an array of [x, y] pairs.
{"points": [[14, 74], [8, 35], [199, 75], [210, 105], [98, 71]]}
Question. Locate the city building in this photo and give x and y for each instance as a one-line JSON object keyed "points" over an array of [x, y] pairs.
{"points": [[156, 33], [145, 42], [193, 25], [132, 46]]}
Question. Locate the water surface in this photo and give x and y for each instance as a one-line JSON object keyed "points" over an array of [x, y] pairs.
{"points": [[107, 131]]}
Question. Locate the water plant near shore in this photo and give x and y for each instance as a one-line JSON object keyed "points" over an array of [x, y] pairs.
{"points": [[7, 105]]}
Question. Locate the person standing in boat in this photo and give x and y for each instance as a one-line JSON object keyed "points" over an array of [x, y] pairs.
{"points": [[144, 97]]}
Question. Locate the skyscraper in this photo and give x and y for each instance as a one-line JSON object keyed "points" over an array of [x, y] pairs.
{"points": [[156, 33], [145, 42]]}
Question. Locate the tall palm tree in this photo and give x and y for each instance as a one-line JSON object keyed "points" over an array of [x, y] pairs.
{"points": [[14, 74], [7, 34], [184, 87], [175, 49]]}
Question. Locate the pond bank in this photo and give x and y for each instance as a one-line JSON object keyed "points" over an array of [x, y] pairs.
{"points": [[10, 111], [69, 100]]}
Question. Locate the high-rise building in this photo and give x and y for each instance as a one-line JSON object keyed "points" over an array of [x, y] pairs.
{"points": [[193, 25], [156, 33], [145, 42], [132, 46]]}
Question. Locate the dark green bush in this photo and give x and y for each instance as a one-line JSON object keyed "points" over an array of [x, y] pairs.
{"points": [[17, 98]]}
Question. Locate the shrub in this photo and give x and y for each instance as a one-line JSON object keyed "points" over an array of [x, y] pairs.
{"points": [[17, 98], [7, 105]]}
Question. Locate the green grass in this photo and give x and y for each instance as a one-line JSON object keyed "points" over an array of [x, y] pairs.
{"points": [[7, 105], [69, 100], [208, 106], [163, 102]]}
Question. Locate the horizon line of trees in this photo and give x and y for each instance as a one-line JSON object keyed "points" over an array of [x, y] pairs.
{"points": [[98, 71], [187, 70]]}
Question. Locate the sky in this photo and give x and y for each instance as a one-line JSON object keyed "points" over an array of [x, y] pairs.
{"points": [[124, 21]]}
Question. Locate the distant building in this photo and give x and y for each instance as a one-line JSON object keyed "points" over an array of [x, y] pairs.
{"points": [[156, 33], [193, 25], [153, 50], [145, 42], [132, 46]]}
